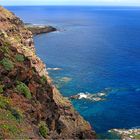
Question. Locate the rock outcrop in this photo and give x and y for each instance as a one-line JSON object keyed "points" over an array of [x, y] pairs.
{"points": [[30, 105], [127, 134], [40, 29]]}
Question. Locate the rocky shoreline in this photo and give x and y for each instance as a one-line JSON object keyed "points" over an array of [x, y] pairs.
{"points": [[40, 29], [91, 97], [94, 97], [127, 134], [31, 107]]}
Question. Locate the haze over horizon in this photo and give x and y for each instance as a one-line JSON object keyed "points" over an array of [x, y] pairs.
{"points": [[71, 2]]}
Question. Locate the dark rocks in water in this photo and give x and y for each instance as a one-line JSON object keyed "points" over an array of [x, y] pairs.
{"points": [[74, 97], [39, 29], [92, 97], [95, 97]]}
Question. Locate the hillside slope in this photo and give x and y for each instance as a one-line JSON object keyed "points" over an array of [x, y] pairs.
{"points": [[30, 105]]}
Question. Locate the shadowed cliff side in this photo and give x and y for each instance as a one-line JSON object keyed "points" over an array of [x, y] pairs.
{"points": [[30, 105]]}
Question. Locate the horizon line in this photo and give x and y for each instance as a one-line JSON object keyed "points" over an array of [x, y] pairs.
{"points": [[79, 5]]}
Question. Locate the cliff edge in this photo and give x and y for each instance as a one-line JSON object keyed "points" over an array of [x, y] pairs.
{"points": [[30, 105]]}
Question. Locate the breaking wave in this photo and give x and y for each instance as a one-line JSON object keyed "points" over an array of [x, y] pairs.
{"points": [[53, 69], [99, 96]]}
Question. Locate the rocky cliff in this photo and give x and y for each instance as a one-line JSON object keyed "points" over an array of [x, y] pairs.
{"points": [[30, 105]]}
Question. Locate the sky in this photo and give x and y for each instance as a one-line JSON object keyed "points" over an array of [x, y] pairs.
{"points": [[71, 2]]}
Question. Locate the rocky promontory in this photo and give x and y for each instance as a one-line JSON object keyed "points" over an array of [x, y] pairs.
{"points": [[40, 29], [31, 107]]}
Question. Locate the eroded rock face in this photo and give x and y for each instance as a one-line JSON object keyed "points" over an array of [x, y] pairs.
{"points": [[27, 95]]}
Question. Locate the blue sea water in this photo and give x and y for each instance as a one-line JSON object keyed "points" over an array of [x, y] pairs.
{"points": [[98, 48]]}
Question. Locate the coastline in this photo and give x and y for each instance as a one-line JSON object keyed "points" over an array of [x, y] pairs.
{"points": [[44, 102], [40, 29]]}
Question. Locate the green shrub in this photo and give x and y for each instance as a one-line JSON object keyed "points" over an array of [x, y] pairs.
{"points": [[10, 128], [4, 102], [4, 49], [9, 125], [43, 129], [6, 44], [16, 113], [6, 115], [136, 136], [22, 88], [19, 58], [1, 88], [8, 64], [43, 80], [1, 136]]}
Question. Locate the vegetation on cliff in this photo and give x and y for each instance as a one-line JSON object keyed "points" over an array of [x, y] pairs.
{"points": [[30, 105]]}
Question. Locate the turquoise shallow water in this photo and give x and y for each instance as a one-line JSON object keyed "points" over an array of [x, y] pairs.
{"points": [[98, 50]]}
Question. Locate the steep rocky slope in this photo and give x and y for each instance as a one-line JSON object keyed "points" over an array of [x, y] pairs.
{"points": [[30, 105]]}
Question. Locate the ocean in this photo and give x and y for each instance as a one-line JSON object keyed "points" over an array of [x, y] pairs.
{"points": [[95, 50]]}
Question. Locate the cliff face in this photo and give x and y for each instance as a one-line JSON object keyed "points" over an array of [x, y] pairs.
{"points": [[30, 105]]}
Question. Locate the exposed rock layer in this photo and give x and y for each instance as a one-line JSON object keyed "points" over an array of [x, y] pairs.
{"points": [[27, 95]]}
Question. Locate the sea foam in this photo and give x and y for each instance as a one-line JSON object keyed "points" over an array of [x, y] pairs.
{"points": [[90, 96], [53, 69]]}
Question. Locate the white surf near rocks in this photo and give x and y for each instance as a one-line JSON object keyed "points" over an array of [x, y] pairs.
{"points": [[133, 133], [53, 69], [88, 96]]}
